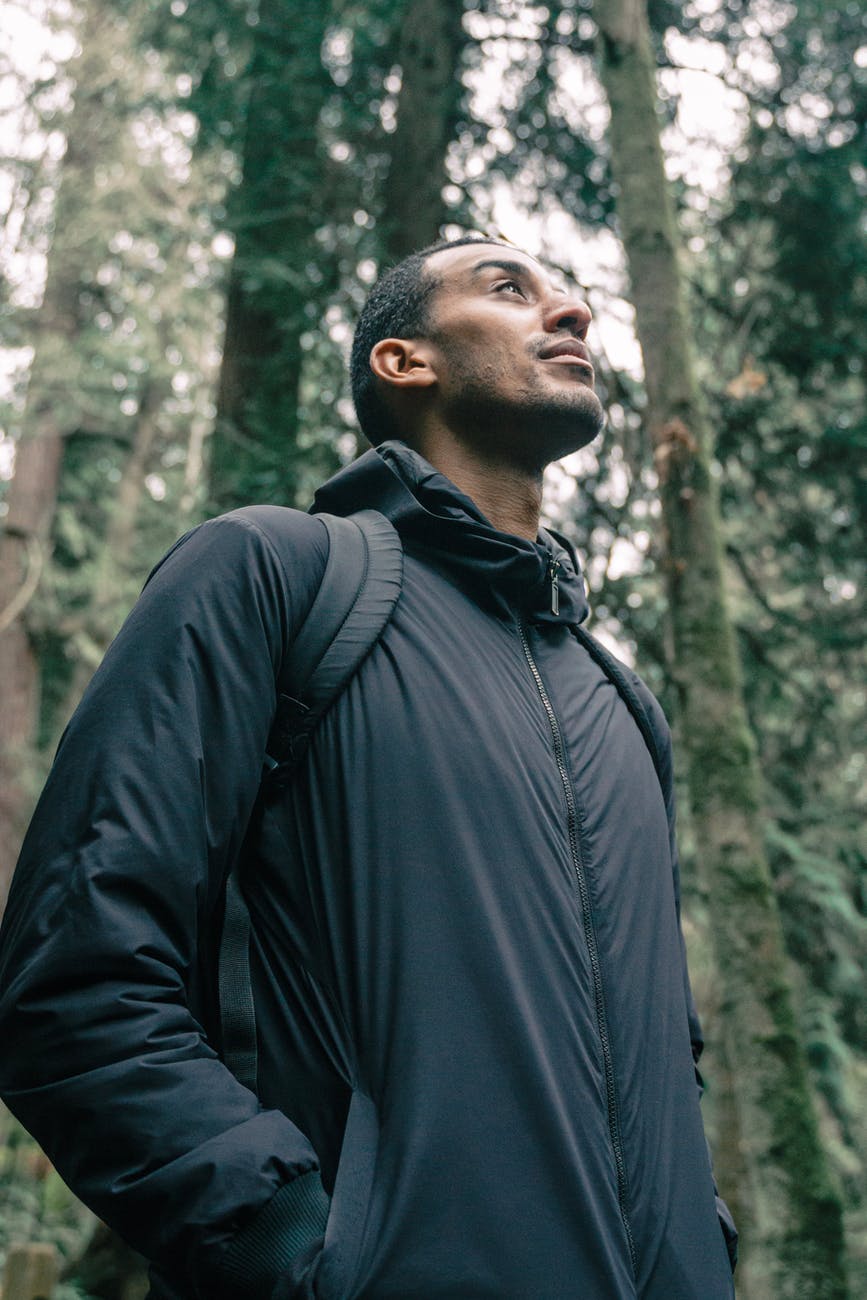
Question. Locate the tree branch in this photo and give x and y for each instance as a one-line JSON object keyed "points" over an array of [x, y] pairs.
{"points": [[35, 555]]}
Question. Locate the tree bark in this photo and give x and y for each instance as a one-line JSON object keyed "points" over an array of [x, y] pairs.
{"points": [[30, 1272], [94, 628], [794, 1237], [32, 495], [431, 41], [273, 214]]}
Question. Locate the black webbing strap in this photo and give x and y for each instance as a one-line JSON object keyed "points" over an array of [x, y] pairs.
{"points": [[359, 589], [237, 1012], [616, 674]]}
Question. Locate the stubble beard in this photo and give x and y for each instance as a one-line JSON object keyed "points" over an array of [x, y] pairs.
{"points": [[533, 426]]}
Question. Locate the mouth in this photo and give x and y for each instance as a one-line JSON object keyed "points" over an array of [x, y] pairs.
{"points": [[570, 352]]}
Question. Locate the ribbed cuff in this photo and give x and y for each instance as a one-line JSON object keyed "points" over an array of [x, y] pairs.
{"points": [[292, 1221]]}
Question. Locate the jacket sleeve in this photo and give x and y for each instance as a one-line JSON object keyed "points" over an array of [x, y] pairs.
{"points": [[105, 1058], [662, 736]]}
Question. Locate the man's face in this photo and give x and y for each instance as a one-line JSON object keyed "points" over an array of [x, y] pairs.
{"points": [[513, 371]]}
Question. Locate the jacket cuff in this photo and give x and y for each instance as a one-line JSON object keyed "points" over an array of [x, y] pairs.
{"points": [[292, 1221]]}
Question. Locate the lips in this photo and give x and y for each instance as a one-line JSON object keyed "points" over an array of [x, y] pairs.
{"points": [[568, 350]]}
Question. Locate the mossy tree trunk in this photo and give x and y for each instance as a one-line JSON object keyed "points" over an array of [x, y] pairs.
{"points": [[431, 41], [273, 214], [91, 630], [794, 1239]]}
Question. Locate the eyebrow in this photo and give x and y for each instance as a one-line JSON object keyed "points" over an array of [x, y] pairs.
{"points": [[513, 268]]}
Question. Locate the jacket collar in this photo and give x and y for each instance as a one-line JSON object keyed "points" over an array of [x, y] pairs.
{"points": [[433, 516]]}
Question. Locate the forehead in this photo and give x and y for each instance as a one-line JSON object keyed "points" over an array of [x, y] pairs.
{"points": [[457, 267]]}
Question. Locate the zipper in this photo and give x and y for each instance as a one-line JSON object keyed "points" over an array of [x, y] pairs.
{"points": [[572, 824], [553, 578]]}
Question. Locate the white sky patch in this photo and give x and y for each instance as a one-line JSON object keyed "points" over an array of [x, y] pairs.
{"points": [[624, 559], [497, 82], [29, 42], [222, 245], [163, 137], [562, 477], [156, 486], [710, 116], [579, 96], [14, 362], [622, 649], [7, 458], [615, 331]]}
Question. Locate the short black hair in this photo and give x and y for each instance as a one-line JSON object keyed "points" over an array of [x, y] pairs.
{"points": [[397, 307]]}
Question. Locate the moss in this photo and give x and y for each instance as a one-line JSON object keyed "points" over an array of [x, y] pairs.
{"points": [[796, 1247]]}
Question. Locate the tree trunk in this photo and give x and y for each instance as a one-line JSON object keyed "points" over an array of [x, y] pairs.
{"points": [[32, 495], [274, 214], [794, 1237], [93, 630], [30, 1272], [431, 41]]}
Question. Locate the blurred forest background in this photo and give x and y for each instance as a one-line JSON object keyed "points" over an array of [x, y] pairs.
{"points": [[195, 196]]}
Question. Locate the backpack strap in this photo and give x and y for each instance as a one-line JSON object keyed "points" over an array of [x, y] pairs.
{"points": [[238, 1045], [617, 675], [359, 589]]}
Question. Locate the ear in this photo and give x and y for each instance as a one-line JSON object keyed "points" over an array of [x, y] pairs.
{"points": [[403, 363]]}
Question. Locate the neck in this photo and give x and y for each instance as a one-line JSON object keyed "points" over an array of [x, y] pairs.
{"points": [[509, 496]]}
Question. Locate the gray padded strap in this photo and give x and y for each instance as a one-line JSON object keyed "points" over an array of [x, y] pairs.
{"points": [[342, 582], [368, 534], [360, 586]]}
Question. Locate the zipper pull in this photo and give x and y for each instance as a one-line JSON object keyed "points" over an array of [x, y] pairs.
{"points": [[555, 589]]}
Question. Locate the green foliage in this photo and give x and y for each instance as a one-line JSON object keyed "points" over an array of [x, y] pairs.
{"points": [[35, 1204]]}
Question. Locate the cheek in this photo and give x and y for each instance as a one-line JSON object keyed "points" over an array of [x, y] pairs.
{"points": [[487, 360]]}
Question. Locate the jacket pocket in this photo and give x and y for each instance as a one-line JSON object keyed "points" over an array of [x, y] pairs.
{"points": [[347, 1218]]}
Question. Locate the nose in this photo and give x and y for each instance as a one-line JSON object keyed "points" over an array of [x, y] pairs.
{"points": [[567, 311]]}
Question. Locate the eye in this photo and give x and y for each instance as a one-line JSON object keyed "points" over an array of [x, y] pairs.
{"points": [[511, 286]]}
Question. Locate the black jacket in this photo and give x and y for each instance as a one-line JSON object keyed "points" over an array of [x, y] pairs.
{"points": [[473, 1008]]}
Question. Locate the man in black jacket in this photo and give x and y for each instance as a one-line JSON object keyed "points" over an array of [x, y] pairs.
{"points": [[476, 1037]]}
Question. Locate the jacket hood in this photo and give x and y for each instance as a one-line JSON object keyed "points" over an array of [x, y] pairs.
{"points": [[433, 515]]}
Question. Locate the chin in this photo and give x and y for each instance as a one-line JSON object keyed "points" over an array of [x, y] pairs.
{"points": [[533, 430], [568, 430]]}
